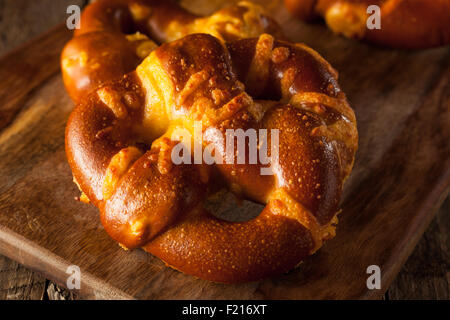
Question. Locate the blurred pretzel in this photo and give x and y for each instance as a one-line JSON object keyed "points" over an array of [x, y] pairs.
{"points": [[404, 23]]}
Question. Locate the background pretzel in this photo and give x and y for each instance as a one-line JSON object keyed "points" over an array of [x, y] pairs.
{"points": [[118, 143], [404, 23], [116, 35]]}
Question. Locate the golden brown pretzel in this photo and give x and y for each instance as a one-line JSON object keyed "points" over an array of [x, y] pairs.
{"points": [[119, 145], [404, 23], [115, 36]]}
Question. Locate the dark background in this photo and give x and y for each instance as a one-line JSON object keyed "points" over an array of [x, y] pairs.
{"points": [[426, 274]]}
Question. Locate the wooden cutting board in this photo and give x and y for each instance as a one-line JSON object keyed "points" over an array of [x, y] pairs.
{"points": [[401, 176]]}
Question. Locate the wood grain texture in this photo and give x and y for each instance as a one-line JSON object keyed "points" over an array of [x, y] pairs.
{"points": [[400, 178], [20, 21], [426, 274], [36, 62], [19, 283]]}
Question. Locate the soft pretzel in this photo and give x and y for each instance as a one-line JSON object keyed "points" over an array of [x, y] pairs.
{"points": [[404, 23], [119, 142], [113, 36]]}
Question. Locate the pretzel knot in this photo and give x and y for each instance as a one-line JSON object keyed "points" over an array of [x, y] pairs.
{"points": [[119, 143]]}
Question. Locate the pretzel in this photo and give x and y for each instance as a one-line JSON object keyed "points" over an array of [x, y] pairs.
{"points": [[410, 24], [120, 142], [113, 38]]}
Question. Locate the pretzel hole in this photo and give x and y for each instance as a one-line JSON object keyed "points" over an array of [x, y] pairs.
{"points": [[122, 21], [226, 206], [129, 21]]}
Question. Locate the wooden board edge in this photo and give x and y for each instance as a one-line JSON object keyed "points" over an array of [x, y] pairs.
{"points": [[403, 250], [27, 67], [53, 267]]}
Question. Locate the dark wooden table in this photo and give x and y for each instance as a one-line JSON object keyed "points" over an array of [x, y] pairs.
{"points": [[426, 274]]}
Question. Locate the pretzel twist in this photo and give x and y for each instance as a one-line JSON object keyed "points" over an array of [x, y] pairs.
{"points": [[404, 23], [113, 38], [119, 145]]}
